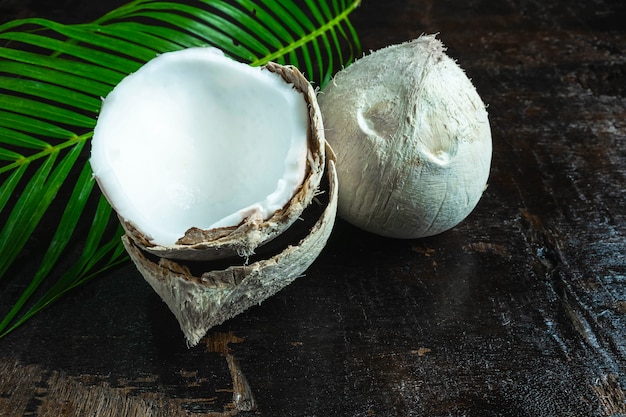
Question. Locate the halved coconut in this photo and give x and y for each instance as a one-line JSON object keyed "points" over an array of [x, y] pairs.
{"points": [[203, 157], [201, 299]]}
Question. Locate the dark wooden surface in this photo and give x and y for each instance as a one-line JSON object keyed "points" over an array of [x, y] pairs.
{"points": [[518, 311]]}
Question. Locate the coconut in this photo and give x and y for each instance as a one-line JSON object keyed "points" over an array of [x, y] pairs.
{"points": [[210, 165], [203, 295], [412, 140], [203, 157]]}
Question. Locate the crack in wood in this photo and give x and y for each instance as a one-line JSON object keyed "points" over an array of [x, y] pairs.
{"points": [[546, 244], [243, 398]]}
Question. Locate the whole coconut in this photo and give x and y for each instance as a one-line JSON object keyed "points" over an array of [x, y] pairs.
{"points": [[412, 140]]}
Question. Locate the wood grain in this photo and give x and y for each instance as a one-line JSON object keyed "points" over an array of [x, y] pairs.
{"points": [[518, 311]]}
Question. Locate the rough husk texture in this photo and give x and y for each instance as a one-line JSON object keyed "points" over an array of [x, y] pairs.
{"points": [[242, 240], [412, 140], [201, 302]]}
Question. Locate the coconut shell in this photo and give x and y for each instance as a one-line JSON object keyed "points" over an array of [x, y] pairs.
{"points": [[243, 239], [203, 300]]}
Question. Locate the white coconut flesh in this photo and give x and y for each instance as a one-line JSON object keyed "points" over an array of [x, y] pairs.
{"points": [[195, 139]]}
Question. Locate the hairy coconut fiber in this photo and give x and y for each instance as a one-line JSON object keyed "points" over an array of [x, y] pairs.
{"points": [[412, 140]]}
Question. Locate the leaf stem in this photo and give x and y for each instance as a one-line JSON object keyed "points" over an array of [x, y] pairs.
{"points": [[305, 39], [47, 151]]}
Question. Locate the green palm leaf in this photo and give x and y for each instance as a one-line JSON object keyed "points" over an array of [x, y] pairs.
{"points": [[52, 77]]}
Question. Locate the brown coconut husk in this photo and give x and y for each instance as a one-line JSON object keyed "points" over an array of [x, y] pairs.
{"points": [[201, 299]]}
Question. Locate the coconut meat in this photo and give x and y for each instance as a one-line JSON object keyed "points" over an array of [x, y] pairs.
{"points": [[195, 139]]}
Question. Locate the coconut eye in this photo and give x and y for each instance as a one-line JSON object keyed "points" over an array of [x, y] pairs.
{"points": [[379, 119], [438, 139]]}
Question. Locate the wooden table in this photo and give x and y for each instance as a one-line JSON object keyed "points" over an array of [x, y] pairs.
{"points": [[518, 311]]}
